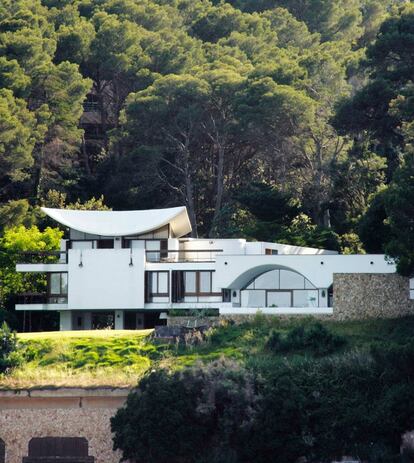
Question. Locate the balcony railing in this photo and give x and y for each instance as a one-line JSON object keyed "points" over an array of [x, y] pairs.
{"points": [[167, 255], [41, 298], [173, 255], [43, 257]]}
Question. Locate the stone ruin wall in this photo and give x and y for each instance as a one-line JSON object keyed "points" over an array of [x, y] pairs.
{"points": [[371, 295], [59, 413]]}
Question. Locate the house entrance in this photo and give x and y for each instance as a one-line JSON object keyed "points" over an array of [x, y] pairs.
{"points": [[58, 449]]}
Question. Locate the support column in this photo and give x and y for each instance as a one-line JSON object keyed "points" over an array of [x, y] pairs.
{"points": [[87, 321], [65, 320], [119, 319]]}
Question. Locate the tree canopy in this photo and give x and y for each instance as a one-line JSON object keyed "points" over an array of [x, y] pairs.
{"points": [[155, 104]]}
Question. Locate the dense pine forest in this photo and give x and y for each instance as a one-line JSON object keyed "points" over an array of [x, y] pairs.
{"points": [[279, 120]]}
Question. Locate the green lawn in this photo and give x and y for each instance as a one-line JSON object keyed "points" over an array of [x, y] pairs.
{"points": [[120, 358], [83, 334]]}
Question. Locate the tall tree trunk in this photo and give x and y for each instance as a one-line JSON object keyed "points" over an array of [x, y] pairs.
{"points": [[189, 187], [38, 172], [318, 215], [85, 156], [219, 190]]}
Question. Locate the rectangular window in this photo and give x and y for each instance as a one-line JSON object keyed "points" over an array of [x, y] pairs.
{"points": [[271, 252], [205, 282], [157, 285], [57, 287], [153, 246], [190, 282], [198, 282], [305, 298], [105, 244], [279, 299], [163, 282]]}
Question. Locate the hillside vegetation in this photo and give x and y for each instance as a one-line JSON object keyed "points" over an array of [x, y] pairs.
{"points": [[120, 358]]}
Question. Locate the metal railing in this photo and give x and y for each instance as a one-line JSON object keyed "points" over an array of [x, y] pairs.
{"points": [[43, 257], [186, 255]]}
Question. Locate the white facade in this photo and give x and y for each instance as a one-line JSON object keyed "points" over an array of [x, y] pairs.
{"points": [[127, 268]]}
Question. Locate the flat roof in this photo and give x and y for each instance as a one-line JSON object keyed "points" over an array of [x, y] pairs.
{"points": [[123, 223]]}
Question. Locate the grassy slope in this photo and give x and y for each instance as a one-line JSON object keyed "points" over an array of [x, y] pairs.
{"points": [[120, 358]]}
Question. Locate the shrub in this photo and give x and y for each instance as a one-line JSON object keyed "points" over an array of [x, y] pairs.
{"points": [[274, 342], [313, 337], [8, 349], [195, 415]]}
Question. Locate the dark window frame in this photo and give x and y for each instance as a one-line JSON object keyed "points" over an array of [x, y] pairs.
{"points": [[197, 282], [104, 242], [291, 291], [152, 294], [49, 293], [271, 252]]}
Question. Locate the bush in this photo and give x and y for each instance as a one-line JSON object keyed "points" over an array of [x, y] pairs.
{"points": [[313, 337], [8, 349], [358, 403], [196, 415]]}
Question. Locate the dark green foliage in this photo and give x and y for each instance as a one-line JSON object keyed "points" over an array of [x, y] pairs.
{"points": [[390, 65], [399, 204], [157, 423], [215, 105], [8, 347], [313, 337], [356, 403], [353, 405], [373, 228], [192, 416]]}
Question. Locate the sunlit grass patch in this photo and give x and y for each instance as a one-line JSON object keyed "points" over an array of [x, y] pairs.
{"points": [[84, 334]]}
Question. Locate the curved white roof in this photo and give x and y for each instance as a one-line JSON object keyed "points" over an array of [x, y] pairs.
{"points": [[123, 223]]}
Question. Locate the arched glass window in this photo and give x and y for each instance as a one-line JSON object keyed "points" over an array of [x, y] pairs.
{"points": [[280, 288]]}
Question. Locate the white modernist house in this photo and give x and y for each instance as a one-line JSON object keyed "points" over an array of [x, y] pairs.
{"points": [[130, 268]]}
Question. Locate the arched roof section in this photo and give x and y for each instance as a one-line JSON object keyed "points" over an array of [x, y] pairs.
{"points": [[123, 223]]}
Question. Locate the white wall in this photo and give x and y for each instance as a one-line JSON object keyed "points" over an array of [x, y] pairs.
{"points": [[106, 280], [259, 247], [229, 246], [240, 246]]}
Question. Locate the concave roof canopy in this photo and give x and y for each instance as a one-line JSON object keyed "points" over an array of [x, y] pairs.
{"points": [[123, 223]]}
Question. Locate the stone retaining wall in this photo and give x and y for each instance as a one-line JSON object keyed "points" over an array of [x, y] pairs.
{"points": [[193, 322], [59, 413], [371, 295]]}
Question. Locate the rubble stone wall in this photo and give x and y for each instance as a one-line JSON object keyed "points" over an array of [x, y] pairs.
{"points": [[59, 413], [371, 295]]}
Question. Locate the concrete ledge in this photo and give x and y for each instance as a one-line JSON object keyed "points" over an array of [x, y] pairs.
{"points": [[63, 398], [277, 311]]}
